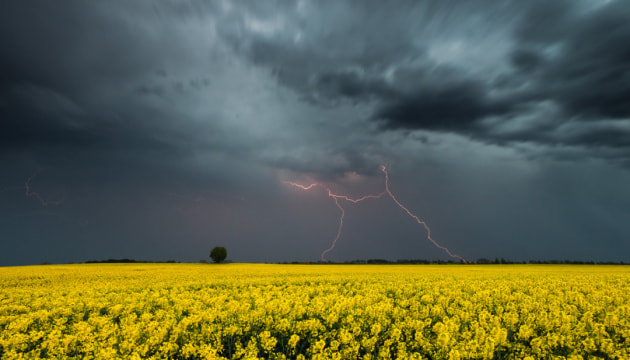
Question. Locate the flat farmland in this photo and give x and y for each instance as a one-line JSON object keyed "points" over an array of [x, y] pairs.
{"points": [[249, 311]]}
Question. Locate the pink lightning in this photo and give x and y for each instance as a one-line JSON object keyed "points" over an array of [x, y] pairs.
{"points": [[332, 246], [416, 218], [43, 201], [335, 198], [29, 193], [387, 191]]}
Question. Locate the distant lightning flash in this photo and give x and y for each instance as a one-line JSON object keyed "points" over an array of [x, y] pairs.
{"points": [[387, 191], [38, 196], [29, 192]]}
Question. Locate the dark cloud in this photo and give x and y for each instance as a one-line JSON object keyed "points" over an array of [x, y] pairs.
{"points": [[35, 116], [63, 47], [526, 60], [600, 135], [181, 86], [75, 75], [351, 85], [568, 53], [325, 56], [591, 75], [170, 126], [157, 90], [452, 107], [40, 119], [575, 60], [605, 137], [546, 22]]}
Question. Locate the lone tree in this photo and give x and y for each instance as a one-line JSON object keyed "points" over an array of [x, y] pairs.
{"points": [[218, 254]]}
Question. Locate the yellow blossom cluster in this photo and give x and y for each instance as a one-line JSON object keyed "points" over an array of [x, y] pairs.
{"points": [[258, 311]]}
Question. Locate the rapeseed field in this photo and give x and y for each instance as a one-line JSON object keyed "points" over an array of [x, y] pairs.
{"points": [[256, 311]]}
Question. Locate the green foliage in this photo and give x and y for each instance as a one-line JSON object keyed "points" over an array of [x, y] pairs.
{"points": [[218, 254]]}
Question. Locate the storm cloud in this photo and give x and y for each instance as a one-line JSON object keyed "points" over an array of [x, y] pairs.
{"points": [[167, 127], [447, 66]]}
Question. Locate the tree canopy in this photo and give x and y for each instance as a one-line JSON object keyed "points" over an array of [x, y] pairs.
{"points": [[218, 254]]}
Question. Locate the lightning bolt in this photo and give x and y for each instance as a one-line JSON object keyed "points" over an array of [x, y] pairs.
{"points": [[27, 188], [332, 246], [337, 197], [30, 193], [38, 196], [455, 256]]}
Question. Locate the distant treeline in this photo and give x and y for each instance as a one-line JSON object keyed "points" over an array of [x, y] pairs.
{"points": [[444, 262], [384, 261], [111, 261]]}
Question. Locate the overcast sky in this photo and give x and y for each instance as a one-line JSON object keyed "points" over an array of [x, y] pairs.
{"points": [[156, 130]]}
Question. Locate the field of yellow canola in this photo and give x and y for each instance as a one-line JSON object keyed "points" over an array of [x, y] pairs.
{"points": [[240, 311]]}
